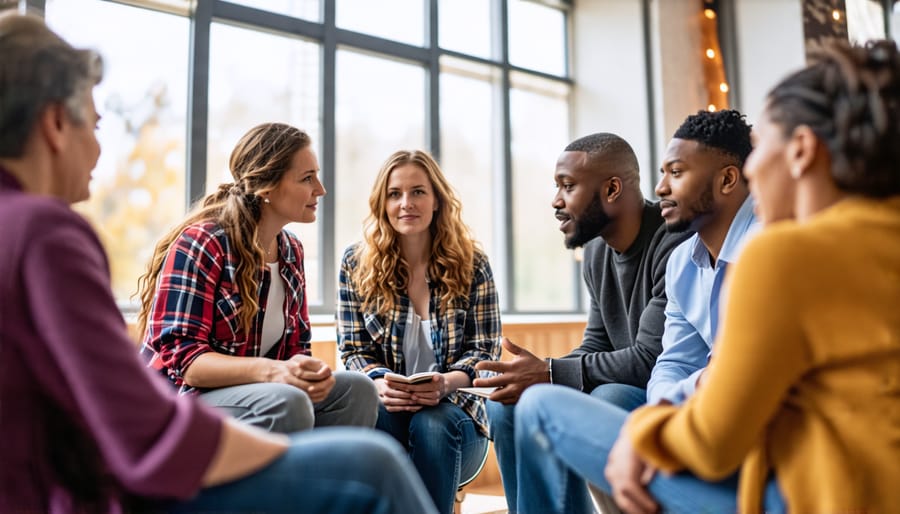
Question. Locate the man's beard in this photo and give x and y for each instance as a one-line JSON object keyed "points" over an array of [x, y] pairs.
{"points": [[701, 207], [589, 224]]}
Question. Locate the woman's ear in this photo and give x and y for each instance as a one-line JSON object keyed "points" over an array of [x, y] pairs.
{"points": [[800, 151], [51, 124]]}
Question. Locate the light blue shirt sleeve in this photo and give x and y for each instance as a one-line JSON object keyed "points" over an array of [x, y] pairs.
{"points": [[685, 352]]}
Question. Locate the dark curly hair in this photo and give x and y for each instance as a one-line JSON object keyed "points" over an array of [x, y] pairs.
{"points": [[726, 131], [850, 98]]}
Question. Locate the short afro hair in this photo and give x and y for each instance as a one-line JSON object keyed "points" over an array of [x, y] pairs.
{"points": [[726, 131]]}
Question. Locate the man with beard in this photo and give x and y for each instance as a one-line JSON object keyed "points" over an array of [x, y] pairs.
{"points": [[702, 188], [598, 194]]}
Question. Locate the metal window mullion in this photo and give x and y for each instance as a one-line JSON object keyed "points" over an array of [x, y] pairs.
{"points": [[433, 95], [506, 202], [651, 102], [327, 225], [888, 8], [198, 101], [380, 45], [262, 19]]}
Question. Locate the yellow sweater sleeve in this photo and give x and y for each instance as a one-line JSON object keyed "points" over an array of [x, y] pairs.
{"points": [[759, 353]]}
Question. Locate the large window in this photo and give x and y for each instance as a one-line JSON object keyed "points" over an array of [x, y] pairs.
{"points": [[481, 84], [138, 187], [380, 108]]}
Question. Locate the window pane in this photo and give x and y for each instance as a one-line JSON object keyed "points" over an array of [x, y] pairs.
{"points": [[257, 77], [865, 20], [537, 37], [306, 9], [465, 26], [137, 191], [470, 144], [544, 270], [373, 119], [400, 20]]}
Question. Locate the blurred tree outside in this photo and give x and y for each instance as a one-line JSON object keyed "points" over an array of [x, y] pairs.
{"points": [[144, 197]]}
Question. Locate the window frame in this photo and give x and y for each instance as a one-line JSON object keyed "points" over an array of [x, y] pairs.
{"points": [[203, 13]]}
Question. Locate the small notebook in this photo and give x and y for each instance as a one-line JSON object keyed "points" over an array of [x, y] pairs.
{"points": [[483, 392], [417, 378]]}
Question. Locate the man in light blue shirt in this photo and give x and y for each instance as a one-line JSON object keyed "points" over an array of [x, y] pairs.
{"points": [[709, 149]]}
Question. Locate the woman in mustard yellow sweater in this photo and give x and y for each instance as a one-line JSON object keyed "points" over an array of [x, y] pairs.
{"points": [[803, 393]]}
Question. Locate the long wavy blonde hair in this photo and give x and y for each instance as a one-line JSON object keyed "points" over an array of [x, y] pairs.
{"points": [[258, 162], [382, 273]]}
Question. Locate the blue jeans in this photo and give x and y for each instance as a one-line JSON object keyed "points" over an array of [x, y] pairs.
{"points": [[328, 470], [444, 444], [559, 425], [503, 433]]}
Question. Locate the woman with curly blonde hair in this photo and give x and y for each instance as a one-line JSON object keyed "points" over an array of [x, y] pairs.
{"points": [[224, 311], [418, 295]]}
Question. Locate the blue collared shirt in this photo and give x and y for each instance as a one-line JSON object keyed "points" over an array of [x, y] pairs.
{"points": [[693, 285]]}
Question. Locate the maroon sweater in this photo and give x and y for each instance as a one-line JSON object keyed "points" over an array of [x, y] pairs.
{"points": [[71, 384]]}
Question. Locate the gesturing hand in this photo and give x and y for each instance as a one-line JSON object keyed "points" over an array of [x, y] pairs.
{"points": [[515, 376], [629, 475]]}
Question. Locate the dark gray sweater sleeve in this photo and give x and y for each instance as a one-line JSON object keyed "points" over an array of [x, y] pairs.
{"points": [[598, 361]]}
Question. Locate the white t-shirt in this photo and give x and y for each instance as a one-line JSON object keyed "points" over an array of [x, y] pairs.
{"points": [[273, 319], [417, 350]]}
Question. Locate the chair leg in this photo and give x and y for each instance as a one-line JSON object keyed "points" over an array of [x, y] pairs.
{"points": [[603, 503], [457, 502]]}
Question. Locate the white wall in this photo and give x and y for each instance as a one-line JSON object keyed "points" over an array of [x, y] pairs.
{"points": [[608, 60], [608, 57], [770, 45]]}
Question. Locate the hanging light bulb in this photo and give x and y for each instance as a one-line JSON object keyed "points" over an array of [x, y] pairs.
{"points": [[709, 13], [836, 14], [710, 53], [723, 87], [711, 107]]}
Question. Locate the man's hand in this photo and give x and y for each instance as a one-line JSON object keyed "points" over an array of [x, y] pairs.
{"points": [[516, 375], [629, 475]]}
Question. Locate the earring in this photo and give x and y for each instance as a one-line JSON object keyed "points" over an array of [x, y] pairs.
{"points": [[796, 172], [266, 200]]}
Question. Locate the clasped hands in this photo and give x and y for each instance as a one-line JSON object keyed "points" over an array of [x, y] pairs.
{"points": [[401, 397], [305, 372]]}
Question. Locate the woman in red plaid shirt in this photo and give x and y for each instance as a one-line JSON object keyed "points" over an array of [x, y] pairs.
{"points": [[224, 311]]}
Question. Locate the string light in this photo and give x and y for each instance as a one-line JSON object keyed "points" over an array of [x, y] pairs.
{"points": [[713, 68]]}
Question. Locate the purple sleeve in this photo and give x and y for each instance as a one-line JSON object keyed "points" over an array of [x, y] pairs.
{"points": [[153, 442]]}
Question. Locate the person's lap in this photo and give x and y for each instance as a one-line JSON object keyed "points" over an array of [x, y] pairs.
{"points": [[286, 409], [502, 418], [332, 470], [444, 444], [579, 431]]}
